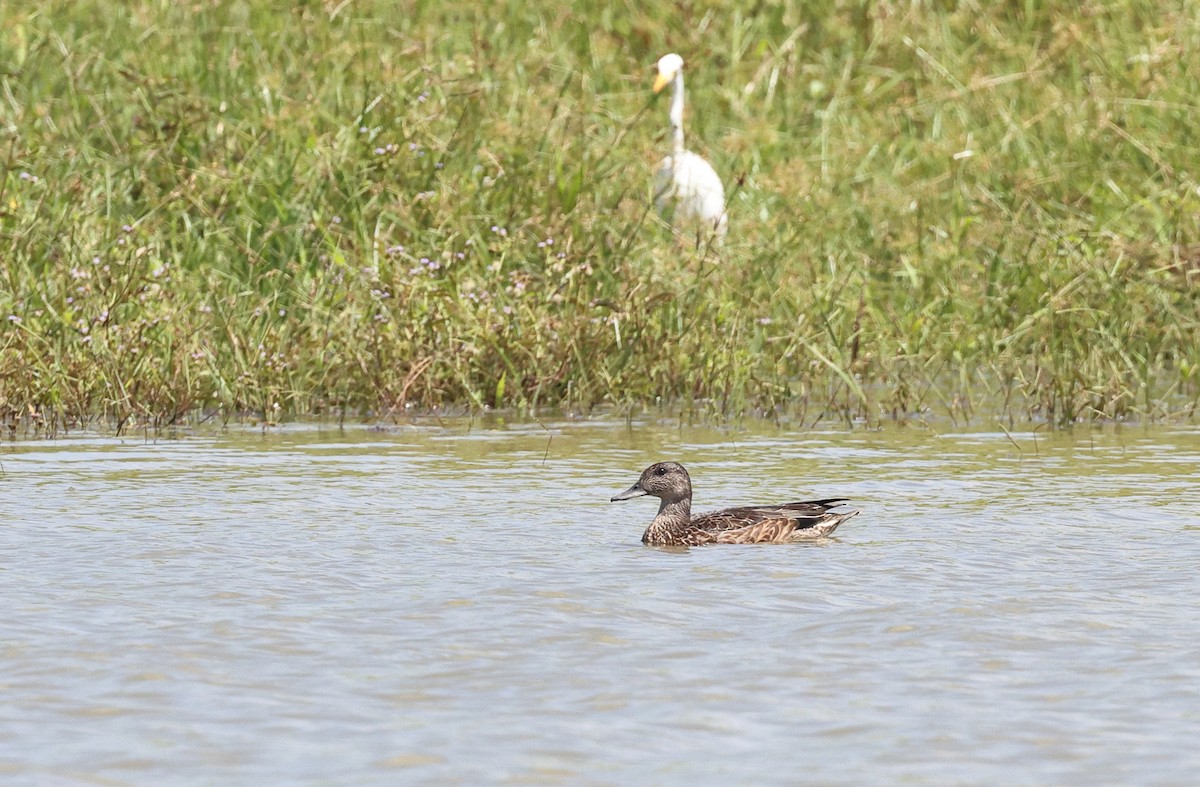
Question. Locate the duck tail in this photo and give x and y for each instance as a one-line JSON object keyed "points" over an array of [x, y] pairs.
{"points": [[828, 502], [831, 522]]}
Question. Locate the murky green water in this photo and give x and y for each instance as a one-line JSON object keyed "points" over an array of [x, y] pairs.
{"points": [[448, 604]]}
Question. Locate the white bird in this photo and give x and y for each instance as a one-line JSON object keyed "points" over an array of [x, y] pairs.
{"points": [[685, 181]]}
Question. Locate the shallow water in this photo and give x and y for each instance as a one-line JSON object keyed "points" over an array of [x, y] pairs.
{"points": [[459, 603]]}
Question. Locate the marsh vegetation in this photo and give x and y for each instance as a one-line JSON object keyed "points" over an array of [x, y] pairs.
{"points": [[359, 208]]}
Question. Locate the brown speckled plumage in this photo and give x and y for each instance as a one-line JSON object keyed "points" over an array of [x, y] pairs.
{"points": [[675, 525]]}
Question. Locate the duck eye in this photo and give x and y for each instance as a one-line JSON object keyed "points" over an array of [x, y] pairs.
{"points": [[661, 471]]}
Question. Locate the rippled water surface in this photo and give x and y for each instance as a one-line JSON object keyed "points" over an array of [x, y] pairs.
{"points": [[460, 603]]}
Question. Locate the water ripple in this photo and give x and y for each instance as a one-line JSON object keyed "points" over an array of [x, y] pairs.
{"points": [[458, 604]]}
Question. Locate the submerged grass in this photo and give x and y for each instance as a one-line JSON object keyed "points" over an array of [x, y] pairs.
{"points": [[313, 208]]}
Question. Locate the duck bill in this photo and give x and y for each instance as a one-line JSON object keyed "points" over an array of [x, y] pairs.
{"points": [[633, 491]]}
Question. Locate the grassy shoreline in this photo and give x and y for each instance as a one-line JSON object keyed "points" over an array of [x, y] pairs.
{"points": [[370, 207]]}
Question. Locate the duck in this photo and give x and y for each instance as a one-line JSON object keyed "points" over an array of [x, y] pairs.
{"points": [[772, 524], [685, 185]]}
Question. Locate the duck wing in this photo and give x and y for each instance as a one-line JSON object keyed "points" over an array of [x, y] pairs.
{"points": [[768, 524]]}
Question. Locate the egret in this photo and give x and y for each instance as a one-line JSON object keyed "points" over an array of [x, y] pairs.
{"points": [[685, 182]]}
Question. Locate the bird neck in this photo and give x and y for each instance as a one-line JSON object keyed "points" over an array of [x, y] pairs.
{"points": [[673, 518], [676, 113]]}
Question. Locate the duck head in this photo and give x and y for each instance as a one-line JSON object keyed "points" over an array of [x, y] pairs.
{"points": [[667, 481]]}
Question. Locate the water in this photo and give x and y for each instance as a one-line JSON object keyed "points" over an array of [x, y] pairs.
{"points": [[459, 603]]}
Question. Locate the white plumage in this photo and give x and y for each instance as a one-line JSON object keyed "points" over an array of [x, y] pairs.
{"points": [[685, 182]]}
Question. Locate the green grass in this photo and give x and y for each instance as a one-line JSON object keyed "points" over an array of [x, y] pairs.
{"points": [[312, 208]]}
